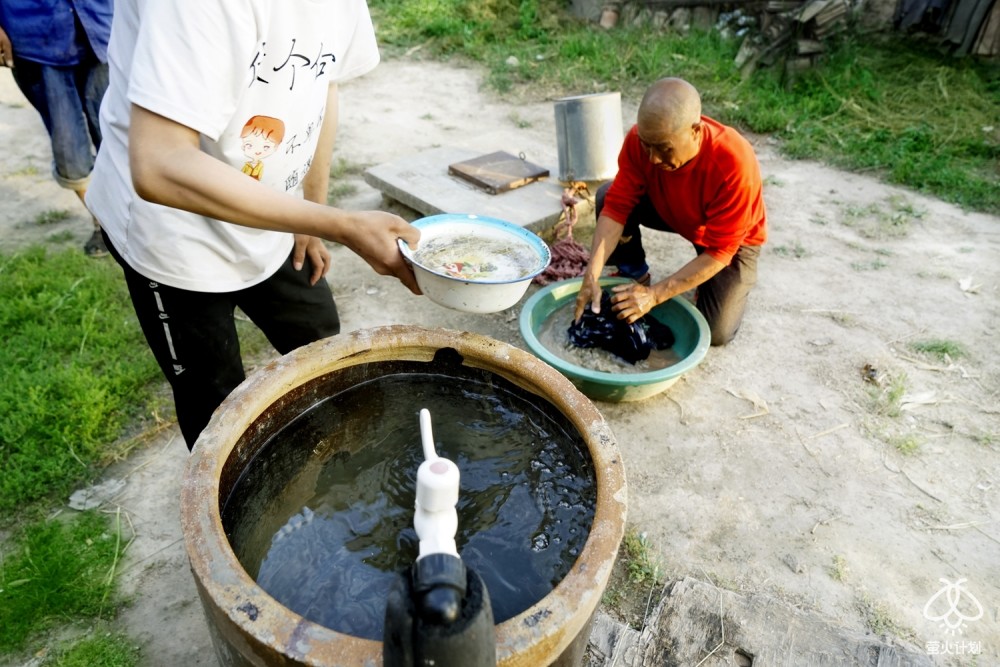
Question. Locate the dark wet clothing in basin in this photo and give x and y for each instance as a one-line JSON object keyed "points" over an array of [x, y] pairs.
{"points": [[631, 342]]}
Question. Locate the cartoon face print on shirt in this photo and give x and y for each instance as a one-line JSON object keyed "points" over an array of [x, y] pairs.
{"points": [[260, 137]]}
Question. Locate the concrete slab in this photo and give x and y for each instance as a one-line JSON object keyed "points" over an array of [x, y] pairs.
{"points": [[421, 181]]}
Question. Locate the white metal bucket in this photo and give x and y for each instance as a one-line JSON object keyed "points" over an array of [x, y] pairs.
{"points": [[589, 136]]}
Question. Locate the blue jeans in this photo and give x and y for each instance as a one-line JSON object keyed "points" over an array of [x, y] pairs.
{"points": [[68, 100]]}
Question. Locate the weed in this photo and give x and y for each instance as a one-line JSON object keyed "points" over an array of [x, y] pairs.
{"points": [[881, 222], [795, 250], [51, 217], [29, 170], [988, 439], [519, 122], [643, 567], [887, 399], [57, 569], [907, 445], [939, 348], [340, 186], [64, 236], [773, 180], [877, 617], [874, 265], [342, 168], [842, 318], [339, 190], [838, 568], [634, 580]]}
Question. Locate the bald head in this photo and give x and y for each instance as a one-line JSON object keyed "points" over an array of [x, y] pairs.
{"points": [[670, 105]]}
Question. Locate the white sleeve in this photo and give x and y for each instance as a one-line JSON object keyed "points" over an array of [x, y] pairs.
{"points": [[193, 60], [362, 55]]}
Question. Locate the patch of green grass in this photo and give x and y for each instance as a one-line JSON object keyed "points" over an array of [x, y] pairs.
{"points": [[877, 104], [102, 650], [57, 570], [77, 371], [939, 348], [51, 217]]}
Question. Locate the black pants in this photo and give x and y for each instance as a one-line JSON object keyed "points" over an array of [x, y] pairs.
{"points": [[722, 299], [193, 334]]}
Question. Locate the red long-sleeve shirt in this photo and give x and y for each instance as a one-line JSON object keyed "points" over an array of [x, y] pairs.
{"points": [[715, 200]]}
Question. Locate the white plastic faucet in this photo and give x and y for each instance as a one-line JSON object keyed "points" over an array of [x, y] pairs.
{"points": [[435, 518]]}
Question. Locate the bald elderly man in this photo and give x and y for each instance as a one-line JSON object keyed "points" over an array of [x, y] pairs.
{"points": [[681, 172]]}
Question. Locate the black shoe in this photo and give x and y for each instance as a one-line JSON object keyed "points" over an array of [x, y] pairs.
{"points": [[95, 246]]}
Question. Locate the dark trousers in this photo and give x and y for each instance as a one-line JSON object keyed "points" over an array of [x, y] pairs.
{"points": [[193, 334], [722, 299]]}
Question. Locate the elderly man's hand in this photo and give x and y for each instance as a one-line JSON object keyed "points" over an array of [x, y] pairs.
{"points": [[632, 301], [590, 292]]}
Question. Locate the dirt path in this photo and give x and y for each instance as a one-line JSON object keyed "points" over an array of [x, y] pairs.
{"points": [[821, 458]]}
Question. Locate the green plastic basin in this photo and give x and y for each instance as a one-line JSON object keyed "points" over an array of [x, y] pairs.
{"points": [[688, 325]]}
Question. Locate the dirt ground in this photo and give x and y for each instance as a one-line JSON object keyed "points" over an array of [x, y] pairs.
{"points": [[822, 458]]}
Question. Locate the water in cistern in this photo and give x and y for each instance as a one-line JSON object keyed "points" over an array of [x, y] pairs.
{"points": [[327, 532]]}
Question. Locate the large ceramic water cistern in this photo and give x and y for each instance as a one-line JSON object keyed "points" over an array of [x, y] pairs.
{"points": [[303, 514]]}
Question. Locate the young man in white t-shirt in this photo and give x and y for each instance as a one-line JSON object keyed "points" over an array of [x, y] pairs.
{"points": [[211, 183]]}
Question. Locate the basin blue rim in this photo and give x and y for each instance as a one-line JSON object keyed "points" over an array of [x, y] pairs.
{"points": [[603, 377], [533, 239]]}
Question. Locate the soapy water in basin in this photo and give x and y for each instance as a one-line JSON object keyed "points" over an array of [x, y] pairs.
{"points": [[552, 335], [478, 257], [329, 543]]}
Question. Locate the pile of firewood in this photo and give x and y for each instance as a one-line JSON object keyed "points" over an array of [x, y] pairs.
{"points": [[775, 33], [792, 34]]}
